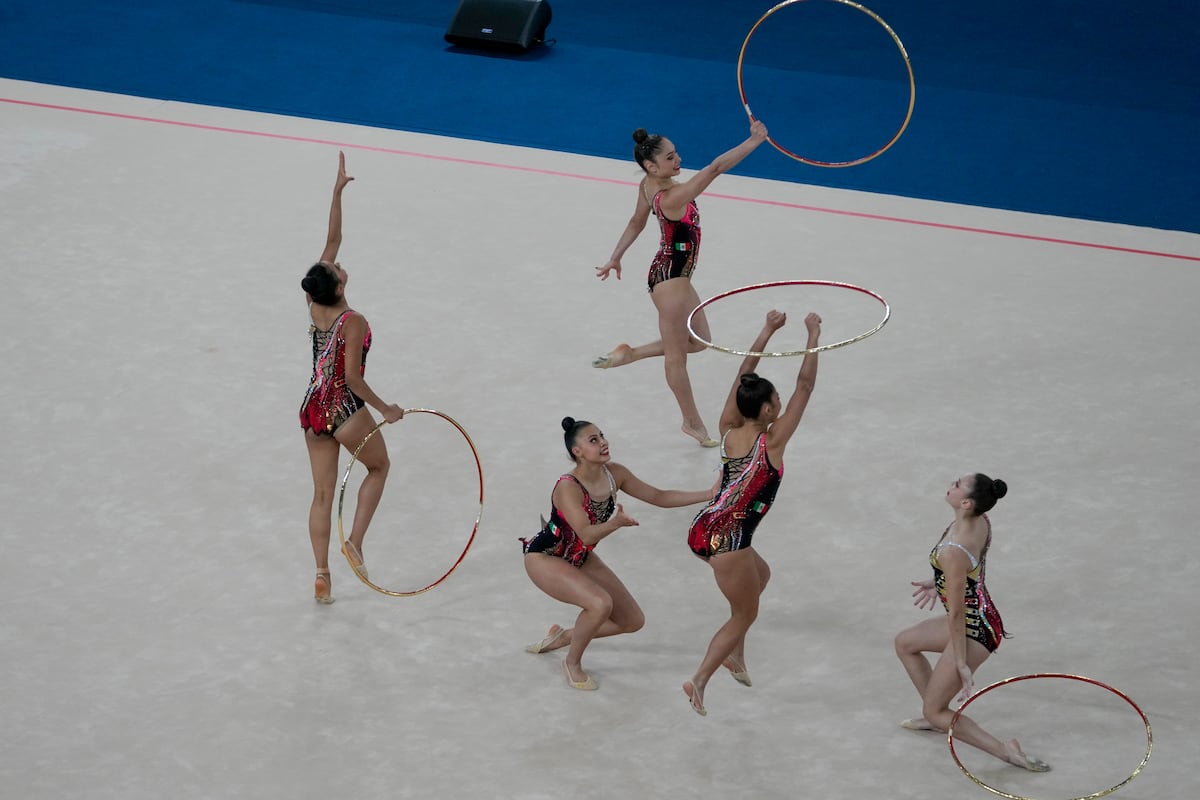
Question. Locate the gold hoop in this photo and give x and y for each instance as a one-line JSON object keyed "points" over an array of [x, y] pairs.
{"points": [[474, 530], [998, 684], [912, 87], [887, 313]]}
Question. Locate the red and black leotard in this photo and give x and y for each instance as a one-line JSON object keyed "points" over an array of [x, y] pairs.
{"points": [[748, 487], [329, 402], [679, 247], [558, 538]]}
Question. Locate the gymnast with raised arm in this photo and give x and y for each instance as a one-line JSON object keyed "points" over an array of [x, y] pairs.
{"points": [[755, 428], [334, 413], [674, 206]]}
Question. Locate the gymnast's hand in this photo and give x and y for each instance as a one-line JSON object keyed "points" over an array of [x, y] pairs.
{"points": [[775, 321], [393, 413], [926, 596], [813, 323], [342, 177], [622, 519], [613, 265], [968, 684], [758, 131]]}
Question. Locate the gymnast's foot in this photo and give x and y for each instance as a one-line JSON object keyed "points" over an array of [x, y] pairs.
{"points": [[695, 697], [699, 434], [586, 685], [918, 724], [354, 556], [1014, 755], [553, 640], [322, 590], [621, 355], [738, 670]]}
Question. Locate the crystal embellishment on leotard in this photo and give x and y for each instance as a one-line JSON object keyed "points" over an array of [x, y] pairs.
{"points": [[982, 618], [329, 401], [748, 487]]}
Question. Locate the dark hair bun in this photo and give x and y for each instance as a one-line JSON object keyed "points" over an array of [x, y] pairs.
{"points": [[568, 423], [321, 284], [749, 380], [640, 135], [999, 488]]}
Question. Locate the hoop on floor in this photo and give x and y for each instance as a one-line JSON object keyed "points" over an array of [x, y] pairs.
{"points": [[474, 530], [887, 313], [1006, 681], [912, 87]]}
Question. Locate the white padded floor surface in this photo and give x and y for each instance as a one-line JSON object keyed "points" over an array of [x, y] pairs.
{"points": [[159, 634]]}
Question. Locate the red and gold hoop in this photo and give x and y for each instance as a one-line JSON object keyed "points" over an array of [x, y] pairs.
{"points": [[474, 530], [912, 87], [1064, 676]]}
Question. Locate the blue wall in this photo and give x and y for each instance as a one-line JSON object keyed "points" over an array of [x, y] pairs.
{"points": [[1087, 110]]}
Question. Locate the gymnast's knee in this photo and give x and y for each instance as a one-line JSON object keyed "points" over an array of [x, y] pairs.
{"points": [[633, 622]]}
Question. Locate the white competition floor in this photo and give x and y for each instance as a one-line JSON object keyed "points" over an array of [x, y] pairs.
{"points": [[157, 624]]}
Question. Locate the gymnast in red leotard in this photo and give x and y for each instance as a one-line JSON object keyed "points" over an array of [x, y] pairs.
{"points": [[679, 246], [329, 402], [334, 413], [755, 428], [561, 559], [748, 487], [674, 206]]}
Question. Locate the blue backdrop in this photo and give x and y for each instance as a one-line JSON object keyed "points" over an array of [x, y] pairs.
{"points": [[1077, 109]]}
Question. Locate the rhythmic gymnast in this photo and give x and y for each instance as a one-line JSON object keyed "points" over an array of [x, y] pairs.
{"points": [[334, 412], [970, 631], [560, 558], [755, 428], [674, 205]]}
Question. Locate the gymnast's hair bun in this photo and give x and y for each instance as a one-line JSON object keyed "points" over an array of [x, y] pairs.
{"points": [[321, 284], [568, 423], [999, 488]]}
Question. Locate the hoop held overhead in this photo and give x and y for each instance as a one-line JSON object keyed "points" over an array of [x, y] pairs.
{"points": [[998, 684], [474, 530], [887, 313], [912, 87]]}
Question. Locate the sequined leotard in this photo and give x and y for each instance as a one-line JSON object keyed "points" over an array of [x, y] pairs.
{"points": [[558, 538], [983, 619], [679, 247], [329, 402], [748, 487]]}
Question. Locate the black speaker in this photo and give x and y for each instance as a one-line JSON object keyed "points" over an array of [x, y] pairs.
{"points": [[510, 25]]}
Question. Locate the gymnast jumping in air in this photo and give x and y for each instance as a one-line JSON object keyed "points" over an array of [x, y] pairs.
{"points": [[334, 413], [755, 428], [674, 206]]}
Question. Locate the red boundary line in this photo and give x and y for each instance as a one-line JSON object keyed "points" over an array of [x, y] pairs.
{"points": [[493, 165], [964, 228]]}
